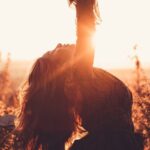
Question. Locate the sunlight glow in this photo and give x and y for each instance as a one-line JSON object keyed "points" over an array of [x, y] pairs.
{"points": [[29, 28]]}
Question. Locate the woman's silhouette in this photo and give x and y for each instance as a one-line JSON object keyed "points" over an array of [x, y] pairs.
{"points": [[63, 85]]}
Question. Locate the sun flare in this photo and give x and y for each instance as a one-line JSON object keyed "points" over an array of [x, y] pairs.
{"points": [[32, 33]]}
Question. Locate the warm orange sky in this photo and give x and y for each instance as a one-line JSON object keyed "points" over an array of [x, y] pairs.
{"points": [[29, 27]]}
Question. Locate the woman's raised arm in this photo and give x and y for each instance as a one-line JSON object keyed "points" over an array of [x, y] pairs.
{"points": [[86, 17]]}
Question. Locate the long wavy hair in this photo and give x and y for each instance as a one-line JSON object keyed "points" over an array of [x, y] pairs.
{"points": [[47, 119]]}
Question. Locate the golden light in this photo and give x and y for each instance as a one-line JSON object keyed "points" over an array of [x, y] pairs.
{"points": [[28, 34]]}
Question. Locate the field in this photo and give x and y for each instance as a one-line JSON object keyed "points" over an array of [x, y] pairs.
{"points": [[14, 74]]}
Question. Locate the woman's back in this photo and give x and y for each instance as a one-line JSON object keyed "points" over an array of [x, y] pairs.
{"points": [[106, 114]]}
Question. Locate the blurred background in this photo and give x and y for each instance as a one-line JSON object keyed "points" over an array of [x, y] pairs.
{"points": [[29, 28]]}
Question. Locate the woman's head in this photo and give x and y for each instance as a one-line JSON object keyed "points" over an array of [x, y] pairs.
{"points": [[46, 111], [51, 66]]}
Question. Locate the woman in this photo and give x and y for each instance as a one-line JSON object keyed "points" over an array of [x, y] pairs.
{"points": [[63, 86]]}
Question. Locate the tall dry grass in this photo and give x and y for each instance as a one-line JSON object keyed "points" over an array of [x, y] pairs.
{"points": [[140, 87], [8, 95]]}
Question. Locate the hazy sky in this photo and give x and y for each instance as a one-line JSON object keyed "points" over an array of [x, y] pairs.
{"points": [[28, 28]]}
